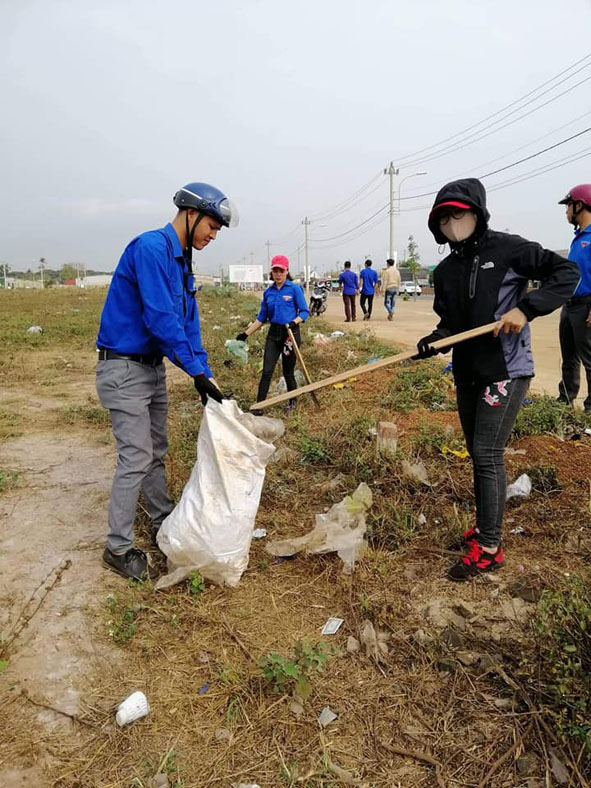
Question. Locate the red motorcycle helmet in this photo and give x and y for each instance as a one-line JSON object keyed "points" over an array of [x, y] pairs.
{"points": [[580, 193]]}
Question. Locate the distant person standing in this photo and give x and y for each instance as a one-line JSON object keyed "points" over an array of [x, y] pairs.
{"points": [[575, 317], [349, 287], [369, 283], [390, 286]]}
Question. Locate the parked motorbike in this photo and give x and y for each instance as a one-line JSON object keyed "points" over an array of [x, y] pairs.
{"points": [[318, 300]]}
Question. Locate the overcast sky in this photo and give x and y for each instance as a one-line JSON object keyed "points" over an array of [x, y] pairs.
{"points": [[109, 106]]}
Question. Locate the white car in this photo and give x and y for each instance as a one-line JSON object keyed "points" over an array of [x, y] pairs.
{"points": [[410, 288]]}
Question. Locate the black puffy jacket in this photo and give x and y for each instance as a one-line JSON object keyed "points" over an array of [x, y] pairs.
{"points": [[486, 276]]}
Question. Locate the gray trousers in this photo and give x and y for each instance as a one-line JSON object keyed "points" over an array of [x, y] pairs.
{"points": [[575, 346], [136, 396]]}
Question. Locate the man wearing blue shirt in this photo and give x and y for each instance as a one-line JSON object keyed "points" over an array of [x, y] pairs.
{"points": [[575, 318], [369, 282], [349, 287], [150, 312]]}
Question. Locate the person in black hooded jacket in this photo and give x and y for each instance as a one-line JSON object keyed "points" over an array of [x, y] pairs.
{"points": [[485, 279]]}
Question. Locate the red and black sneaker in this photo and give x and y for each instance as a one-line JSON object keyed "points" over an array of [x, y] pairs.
{"points": [[466, 541], [476, 562]]}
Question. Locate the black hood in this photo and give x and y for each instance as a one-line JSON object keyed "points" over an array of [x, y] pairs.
{"points": [[467, 190]]}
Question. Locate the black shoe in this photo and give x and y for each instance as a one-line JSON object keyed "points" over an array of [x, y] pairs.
{"points": [[133, 564], [476, 562], [257, 412], [154, 535]]}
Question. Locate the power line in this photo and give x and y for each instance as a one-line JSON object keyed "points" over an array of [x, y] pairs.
{"points": [[494, 114], [321, 216], [352, 229]]}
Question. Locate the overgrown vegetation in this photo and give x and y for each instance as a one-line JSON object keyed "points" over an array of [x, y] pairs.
{"points": [[421, 384], [8, 479], [546, 416], [294, 673]]}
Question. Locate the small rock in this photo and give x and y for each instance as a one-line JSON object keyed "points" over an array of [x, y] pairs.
{"points": [[423, 638], [34, 330], [464, 610], [203, 657], [523, 590], [353, 645], [559, 770], [447, 665], [467, 658], [421, 519], [296, 707], [488, 662], [452, 638], [516, 610], [526, 765], [159, 780]]}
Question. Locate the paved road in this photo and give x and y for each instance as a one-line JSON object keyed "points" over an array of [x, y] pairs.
{"points": [[414, 319]]}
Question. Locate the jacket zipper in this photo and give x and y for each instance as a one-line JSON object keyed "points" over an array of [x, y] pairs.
{"points": [[473, 277]]}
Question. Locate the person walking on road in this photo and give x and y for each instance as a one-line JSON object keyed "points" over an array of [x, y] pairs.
{"points": [[151, 312], [485, 279], [575, 318], [349, 287], [369, 285], [284, 304], [390, 286]]}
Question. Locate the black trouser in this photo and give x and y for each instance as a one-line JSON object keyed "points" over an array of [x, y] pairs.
{"points": [[369, 299], [575, 346], [349, 302], [487, 414], [274, 347]]}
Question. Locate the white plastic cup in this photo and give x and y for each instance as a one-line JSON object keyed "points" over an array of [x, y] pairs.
{"points": [[132, 708]]}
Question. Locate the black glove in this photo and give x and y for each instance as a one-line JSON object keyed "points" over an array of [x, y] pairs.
{"points": [[293, 325], [242, 337], [424, 345], [206, 388]]}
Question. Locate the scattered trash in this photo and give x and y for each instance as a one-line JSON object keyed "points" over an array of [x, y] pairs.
{"points": [[245, 785], [373, 359], [387, 438], [448, 369], [374, 642], [372, 432], [588, 431], [461, 453], [211, 527], [202, 690], [296, 707], [223, 734], [259, 533], [218, 328], [337, 334], [509, 450], [281, 385], [520, 488], [159, 780], [34, 330], [326, 716], [341, 529], [527, 401], [331, 484], [321, 339], [343, 383], [203, 657], [353, 645], [421, 519], [519, 529], [132, 708], [351, 355], [416, 472], [237, 348], [332, 626]]}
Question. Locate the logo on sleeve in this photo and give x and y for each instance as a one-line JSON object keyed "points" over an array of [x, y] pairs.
{"points": [[584, 244]]}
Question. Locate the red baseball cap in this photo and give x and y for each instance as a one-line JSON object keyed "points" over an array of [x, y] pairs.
{"points": [[280, 261], [454, 203]]}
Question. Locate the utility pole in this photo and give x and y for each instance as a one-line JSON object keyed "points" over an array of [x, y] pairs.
{"points": [[41, 269], [306, 222], [268, 245], [252, 258], [392, 171]]}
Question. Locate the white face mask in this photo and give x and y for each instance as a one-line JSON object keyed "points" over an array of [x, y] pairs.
{"points": [[457, 230]]}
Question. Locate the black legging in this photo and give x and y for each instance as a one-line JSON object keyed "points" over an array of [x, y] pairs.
{"points": [[274, 347], [366, 298]]}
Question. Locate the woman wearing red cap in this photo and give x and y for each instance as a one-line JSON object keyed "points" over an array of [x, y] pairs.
{"points": [[284, 304], [485, 279]]}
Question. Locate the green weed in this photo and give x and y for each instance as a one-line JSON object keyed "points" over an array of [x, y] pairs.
{"points": [[546, 416], [544, 478], [421, 385], [90, 415], [196, 584], [8, 480], [314, 451], [293, 673], [122, 624]]}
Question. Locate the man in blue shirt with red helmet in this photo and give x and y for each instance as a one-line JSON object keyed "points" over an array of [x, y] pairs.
{"points": [[150, 312], [575, 318]]}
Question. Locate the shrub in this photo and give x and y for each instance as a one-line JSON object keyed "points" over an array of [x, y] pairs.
{"points": [[293, 672], [545, 415]]}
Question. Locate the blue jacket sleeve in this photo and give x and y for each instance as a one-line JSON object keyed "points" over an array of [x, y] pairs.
{"points": [[159, 315], [356, 282], [263, 314], [301, 304], [193, 331]]}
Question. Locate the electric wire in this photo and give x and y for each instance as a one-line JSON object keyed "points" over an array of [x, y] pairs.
{"points": [[319, 217]]}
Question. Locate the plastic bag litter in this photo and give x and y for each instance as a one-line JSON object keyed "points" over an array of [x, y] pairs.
{"points": [[238, 348], [337, 334], [520, 488], [211, 527], [281, 385], [34, 330], [320, 339], [416, 471], [375, 642], [341, 529]]}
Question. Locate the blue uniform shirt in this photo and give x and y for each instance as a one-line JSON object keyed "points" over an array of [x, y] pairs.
{"points": [[369, 279], [148, 309], [349, 281], [580, 253], [283, 305]]}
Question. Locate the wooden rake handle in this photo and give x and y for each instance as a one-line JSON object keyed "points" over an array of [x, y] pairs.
{"points": [[385, 362], [302, 364]]}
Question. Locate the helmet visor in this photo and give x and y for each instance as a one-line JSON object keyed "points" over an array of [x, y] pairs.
{"points": [[229, 212]]}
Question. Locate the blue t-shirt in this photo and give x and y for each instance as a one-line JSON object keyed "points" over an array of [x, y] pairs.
{"points": [[149, 309], [349, 281], [369, 279], [580, 253], [282, 305]]}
